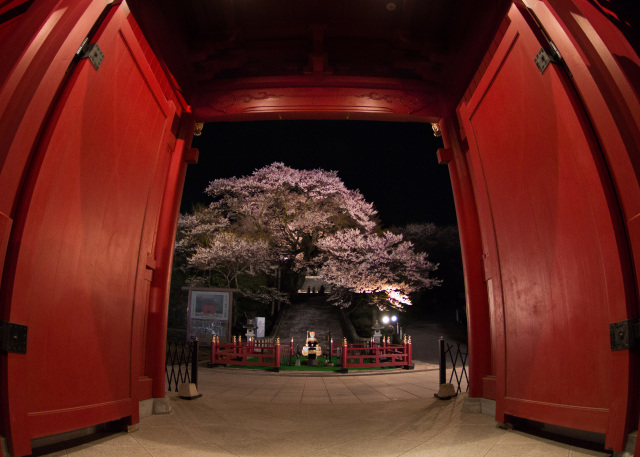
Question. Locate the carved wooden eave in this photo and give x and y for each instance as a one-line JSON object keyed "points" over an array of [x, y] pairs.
{"points": [[335, 97], [342, 59]]}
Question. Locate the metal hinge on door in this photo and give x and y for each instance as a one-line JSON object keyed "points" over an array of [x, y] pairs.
{"points": [[547, 56], [549, 53], [92, 52], [13, 337], [625, 334]]}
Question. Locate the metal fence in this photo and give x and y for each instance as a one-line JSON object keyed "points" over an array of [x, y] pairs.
{"points": [[458, 356], [287, 357], [181, 363]]}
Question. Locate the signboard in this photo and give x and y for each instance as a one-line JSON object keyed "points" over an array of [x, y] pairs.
{"points": [[259, 327], [209, 314]]}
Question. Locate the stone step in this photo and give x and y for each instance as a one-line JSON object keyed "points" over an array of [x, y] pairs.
{"points": [[312, 314]]}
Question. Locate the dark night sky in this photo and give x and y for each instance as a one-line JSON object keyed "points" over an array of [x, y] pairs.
{"points": [[394, 165]]}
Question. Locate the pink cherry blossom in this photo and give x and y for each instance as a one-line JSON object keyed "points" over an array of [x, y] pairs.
{"points": [[303, 220], [294, 208], [368, 263]]}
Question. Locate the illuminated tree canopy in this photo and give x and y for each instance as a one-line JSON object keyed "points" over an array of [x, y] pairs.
{"points": [[383, 266], [291, 208], [302, 221]]}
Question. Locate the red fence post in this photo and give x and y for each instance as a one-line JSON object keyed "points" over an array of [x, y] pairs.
{"points": [[214, 350], [277, 356], [409, 349], [385, 346], [235, 348], [344, 356]]}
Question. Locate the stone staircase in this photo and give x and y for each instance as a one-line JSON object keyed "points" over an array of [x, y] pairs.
{"points": [[310, 314]]}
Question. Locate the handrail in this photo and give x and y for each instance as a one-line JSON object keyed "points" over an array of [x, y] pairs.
{"points": [[267, 354]]}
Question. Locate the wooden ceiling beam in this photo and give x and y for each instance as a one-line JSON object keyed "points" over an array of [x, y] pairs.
{"points": [[287, 101]]}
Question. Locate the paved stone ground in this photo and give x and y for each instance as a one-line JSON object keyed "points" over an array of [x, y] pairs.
{"points": [[326, 414], [247, 413]]}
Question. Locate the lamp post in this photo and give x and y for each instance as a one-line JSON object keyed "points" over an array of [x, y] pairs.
{"points": [[392, 322]]}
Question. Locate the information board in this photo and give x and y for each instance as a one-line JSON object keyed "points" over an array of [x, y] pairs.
{"points": [[209, 314]]}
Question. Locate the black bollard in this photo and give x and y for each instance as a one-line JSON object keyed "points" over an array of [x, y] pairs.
{"points": [[443, 362], [194, 363], [446, 391]]}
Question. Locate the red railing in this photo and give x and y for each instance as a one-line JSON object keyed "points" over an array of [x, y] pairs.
{"points": [[248, 353], [377, 355], [267, 354], [335, 349]]}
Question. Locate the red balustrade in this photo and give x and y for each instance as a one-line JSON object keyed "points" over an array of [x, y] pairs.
{"points": [[267, 354], [246, 353], [372, 355]]}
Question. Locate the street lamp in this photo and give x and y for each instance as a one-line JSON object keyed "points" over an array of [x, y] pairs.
{"points": [[390, 320]]}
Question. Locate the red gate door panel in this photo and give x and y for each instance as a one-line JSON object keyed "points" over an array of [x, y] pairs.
{"points": [[77, 243], [550, 233]]}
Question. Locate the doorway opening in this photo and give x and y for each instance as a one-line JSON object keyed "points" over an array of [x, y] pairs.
{"points": [[392, 164]]}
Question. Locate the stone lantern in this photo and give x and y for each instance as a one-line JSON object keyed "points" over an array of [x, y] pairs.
{"points": [[377, 335], [251, 329]]}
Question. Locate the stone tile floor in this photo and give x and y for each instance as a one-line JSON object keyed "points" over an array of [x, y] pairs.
{"points": [[247, 413]]}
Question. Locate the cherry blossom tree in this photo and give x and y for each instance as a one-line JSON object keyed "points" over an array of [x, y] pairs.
{"points": [[281, 219], [291, 208], [232, 256], [383, 266], [211, 253]]}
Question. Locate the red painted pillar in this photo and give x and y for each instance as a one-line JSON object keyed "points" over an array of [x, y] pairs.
{"points": [[277, 356], [405, 349], [478, 312], [344, 355], [214, 349], [167, 226]]}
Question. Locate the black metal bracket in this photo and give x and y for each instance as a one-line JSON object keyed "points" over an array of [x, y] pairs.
{"points": [[542, 60], [550, 55], [625, 335], [93, 52], [13, 337]]}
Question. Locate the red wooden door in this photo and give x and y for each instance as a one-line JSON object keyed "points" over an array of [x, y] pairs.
{"points": [[555, 259], [83, 232]]}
